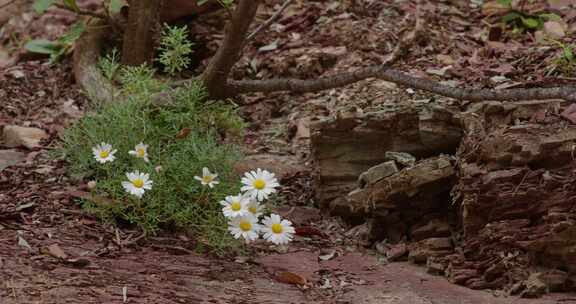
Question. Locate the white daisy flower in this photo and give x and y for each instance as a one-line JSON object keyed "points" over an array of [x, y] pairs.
{"points": [[254, 207], [140, 151], [245, 226], [103, 153], [137, 183], [259, 184], [235, 206], [277, 230], [207, 178]]}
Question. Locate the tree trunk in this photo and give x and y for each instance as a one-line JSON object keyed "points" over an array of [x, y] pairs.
{"points": [[216, 74], [141, 31]]}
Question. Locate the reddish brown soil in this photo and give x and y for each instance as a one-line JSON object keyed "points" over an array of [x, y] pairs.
{"points": [[36, 210]]}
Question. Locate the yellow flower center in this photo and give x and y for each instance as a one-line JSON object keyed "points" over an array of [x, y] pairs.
{"points": [[138, 183], [141, 152], [104, 153], [235, 206], [253, 210], [207, 179], [245, 226], [259, 184], [276, 228]]}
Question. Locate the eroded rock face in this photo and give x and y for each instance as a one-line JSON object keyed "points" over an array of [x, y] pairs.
{"points": [[516, 189], [501, 214], [345, 147]]}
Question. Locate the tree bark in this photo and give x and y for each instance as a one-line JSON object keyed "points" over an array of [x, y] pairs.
{"points": [[141, 31], [216, 75]]}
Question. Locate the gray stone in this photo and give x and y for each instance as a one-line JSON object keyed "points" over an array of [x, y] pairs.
{"points": [[434, 228], [377, 173], [435, 266], [397, 252], [534, 287], [439, 243], [10, 157], [402, 158], [16, 136], [357, 195]]}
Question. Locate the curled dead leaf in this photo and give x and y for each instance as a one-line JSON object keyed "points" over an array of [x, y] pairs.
{"points": [[327, 255], [77, 262], [309, 231], [57, 252], [183, 133], [22, 242], [291, 278]]}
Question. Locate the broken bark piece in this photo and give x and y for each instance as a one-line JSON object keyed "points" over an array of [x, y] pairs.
{"points": [[141, 32]]}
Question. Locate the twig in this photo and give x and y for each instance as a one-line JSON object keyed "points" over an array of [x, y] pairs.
{"points": [[7, 4], [408, 39], [270, 20], [81, 11]]}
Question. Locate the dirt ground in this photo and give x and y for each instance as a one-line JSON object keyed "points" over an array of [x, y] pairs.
{"points": [[52, 252]]}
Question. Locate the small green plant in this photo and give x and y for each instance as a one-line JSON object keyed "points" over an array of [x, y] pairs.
{"points": [[57, 49], [520, 21], [110, 64], [565, 62], [139, 80], [170, 159], [64, 45], [174, 49]]}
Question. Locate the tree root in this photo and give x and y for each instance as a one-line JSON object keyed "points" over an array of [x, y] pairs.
{"points": [[86, 55]]}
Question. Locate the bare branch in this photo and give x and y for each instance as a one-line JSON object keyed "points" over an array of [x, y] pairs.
{"points": [[270, 20], [81, 11], [404, 44], [301, 86], [216, 74], [10, 2]]}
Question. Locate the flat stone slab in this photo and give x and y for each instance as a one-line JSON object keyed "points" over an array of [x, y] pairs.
{"points": [[10, 157], [401, 283]]}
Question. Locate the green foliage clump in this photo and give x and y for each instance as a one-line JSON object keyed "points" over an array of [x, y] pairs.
{"points": [[59, 48], [174, 49], [139, 80], [520, 22], [176, 199], [565, 62], [110, 64]]}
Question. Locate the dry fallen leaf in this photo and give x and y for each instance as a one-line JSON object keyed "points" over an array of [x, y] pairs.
{"points": [[183, 133], [77, 262], [325, 256], [309, 231], [290, 278], [22, 242], [57, 252]]}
